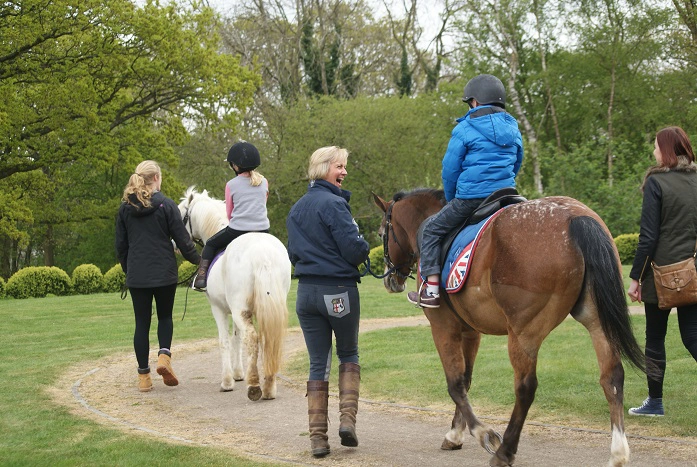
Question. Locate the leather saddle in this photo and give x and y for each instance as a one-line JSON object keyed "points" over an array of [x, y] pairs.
{"points": [[495, 201]]}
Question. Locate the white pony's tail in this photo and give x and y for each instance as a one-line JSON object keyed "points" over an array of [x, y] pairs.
{"points": [[271, 311]]}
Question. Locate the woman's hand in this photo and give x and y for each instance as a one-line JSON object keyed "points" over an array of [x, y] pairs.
{"points": [[634, 291]]}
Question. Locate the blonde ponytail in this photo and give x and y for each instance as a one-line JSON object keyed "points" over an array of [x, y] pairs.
{"points": [[255, 178], [142, 183]]}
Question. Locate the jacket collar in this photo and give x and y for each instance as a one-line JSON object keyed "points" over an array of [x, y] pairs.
{"points": [[684, 166], [323, 184]]}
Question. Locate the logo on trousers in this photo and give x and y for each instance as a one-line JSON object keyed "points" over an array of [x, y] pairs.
{"points": [[338, 305]]}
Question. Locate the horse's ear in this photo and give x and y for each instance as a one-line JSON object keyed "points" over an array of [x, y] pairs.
{"points": [[381, 203]]}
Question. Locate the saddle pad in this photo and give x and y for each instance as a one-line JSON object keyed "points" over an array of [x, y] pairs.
{"points": [[216, 258], [460, 254]]}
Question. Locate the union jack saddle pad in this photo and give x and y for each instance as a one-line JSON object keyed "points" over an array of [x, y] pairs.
{"points": [[460, 255]]}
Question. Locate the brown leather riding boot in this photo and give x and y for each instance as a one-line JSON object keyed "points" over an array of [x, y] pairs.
{"points": [[201, 276], [164, 368], [349, 382], [317, 401]]}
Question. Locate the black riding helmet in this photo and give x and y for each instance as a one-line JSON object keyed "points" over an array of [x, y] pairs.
{"points": [[244, 155], [486, 89]]}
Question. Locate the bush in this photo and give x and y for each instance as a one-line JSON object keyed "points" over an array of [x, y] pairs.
{"points": [[186, 271], [114, 279], [87, 279], [2, 287], [626, 245], [377, 264], [38, 282]]}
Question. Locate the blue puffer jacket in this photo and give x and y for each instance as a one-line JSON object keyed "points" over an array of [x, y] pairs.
{"points": [[484, 154], [324, 244]]}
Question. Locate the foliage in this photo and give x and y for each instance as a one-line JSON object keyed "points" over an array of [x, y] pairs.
{"points": [[87, 279], [114, 279], [377, 261], [2, 287], [186, 271], [627, 245], [94, 88], [38, 281]]}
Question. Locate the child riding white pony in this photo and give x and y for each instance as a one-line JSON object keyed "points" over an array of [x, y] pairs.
{"points": [[250, 280]]}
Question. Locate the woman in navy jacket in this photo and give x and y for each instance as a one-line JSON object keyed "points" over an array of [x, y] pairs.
{"points": [[145, 227], [326, 248]]}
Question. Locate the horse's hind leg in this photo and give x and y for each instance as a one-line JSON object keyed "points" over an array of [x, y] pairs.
{"points": [[225, 342], [237, 353], [457, 347], [251, 344], [523, 357], [612, 382]]}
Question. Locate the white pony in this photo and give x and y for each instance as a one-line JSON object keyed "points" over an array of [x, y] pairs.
{"points": [[251, 279]]}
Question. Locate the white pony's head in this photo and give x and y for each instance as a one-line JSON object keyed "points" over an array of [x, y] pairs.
{"points": [[203, 216]]}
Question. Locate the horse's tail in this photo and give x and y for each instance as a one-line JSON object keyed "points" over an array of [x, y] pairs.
{"points": [[604, 277], [271, 311]]}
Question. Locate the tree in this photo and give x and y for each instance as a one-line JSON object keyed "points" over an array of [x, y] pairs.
{"points": [[96, 85]]}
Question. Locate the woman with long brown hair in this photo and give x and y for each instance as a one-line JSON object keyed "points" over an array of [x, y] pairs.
{"points": [[668, 234]]}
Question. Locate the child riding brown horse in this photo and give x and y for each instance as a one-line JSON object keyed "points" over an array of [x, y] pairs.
{"points": [[536, 263]]}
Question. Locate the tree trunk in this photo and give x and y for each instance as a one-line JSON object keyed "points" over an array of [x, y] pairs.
{"points": [[49, 247]]}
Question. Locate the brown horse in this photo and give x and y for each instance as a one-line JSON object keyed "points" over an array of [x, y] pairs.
{"points": [[536, 263]]}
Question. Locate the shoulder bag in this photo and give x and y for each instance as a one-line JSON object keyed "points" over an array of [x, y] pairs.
{"points": [[676, 284]]}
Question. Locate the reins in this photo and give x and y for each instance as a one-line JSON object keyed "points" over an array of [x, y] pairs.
{"points": [[391, 267]]}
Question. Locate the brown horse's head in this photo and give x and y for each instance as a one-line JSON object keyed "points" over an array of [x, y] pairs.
{"points": [[402, 217]]}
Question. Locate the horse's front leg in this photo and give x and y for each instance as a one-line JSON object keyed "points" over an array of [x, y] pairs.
{"points": [[222, 320], [251, 345], [457, 347]]}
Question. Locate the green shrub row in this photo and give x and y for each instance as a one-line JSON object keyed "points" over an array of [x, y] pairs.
{"points": [[39, 281]]}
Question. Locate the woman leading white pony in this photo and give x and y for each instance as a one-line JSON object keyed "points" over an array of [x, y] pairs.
{"points": [[250, 280]]}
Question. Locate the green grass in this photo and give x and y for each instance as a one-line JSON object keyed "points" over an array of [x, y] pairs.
{"points": [[43, 338]]}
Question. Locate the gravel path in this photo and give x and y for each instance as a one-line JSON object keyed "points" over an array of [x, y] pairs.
{"points": [[389, 434]]}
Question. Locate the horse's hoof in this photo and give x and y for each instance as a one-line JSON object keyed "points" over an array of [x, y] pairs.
{"points": [[254, 393], [496, 462], [238, 378], [450, 446], [222, 389]]}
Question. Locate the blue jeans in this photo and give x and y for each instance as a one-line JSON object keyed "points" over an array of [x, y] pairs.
{"points": [[438, 226], [323, 310]]}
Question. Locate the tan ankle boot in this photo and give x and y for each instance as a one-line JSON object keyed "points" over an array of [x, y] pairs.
{"points": [[144, 380], [317, 401], [164, 369], [349, 382]]}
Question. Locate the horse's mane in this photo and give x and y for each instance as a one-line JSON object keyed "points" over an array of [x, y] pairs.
{"points": [[212, 210], [438, 194]]}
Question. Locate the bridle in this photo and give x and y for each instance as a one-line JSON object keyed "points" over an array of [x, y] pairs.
{"points": [[187, 223], [391, 267]]}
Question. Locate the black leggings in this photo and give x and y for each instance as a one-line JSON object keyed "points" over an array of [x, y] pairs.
{"points": [[142, 307], [220, 241], [656, 329]]}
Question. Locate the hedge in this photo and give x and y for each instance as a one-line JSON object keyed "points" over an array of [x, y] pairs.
{"points": [[114, 279], [626, 246], [2, 287], [38, 281], [377, 263], [186, 271], [87, 279]]}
